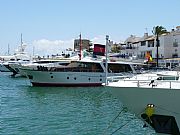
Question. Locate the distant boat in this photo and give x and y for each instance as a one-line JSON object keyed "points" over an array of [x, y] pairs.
{"points": [[3, 68], [12, 66], [154, 97], [19, 54]]}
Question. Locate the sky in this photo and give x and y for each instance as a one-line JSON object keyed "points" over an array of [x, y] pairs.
{"points": [[50, 26]]}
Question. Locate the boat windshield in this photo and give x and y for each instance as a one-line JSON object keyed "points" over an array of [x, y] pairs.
{"points": [[119, 68], [140, 68]]}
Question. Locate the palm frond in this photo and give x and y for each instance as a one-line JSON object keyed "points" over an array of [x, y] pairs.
{"points": [[158, 30]]}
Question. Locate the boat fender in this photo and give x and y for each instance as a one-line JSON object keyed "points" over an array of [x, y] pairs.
{"points": [[150, 110]]}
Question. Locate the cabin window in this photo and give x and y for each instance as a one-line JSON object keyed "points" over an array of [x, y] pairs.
{"points": [[118, 68], [91, 67], [80, 67]]}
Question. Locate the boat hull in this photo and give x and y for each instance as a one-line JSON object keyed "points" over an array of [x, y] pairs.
{"points": [[166, 101], [66, 84], [3, 68], [47, 78]]}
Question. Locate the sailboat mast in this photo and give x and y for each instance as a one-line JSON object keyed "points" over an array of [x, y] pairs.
{"points": [[21, 40]]}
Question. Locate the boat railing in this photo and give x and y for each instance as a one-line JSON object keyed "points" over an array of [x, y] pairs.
{"points": [[148, 77], [119, 76], [169, 84]]}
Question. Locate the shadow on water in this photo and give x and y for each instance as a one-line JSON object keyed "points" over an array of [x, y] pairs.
{"points": [[95, 94]]}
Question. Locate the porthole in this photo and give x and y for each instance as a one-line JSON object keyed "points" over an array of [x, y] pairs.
{"points": [[89, 79], [52, 77], [74, 78], [67, 77], [100, 79]]}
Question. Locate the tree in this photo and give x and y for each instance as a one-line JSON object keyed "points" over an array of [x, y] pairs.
{"points": [[115, 48], [157, 31]]}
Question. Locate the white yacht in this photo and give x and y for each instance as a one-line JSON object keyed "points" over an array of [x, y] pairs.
{"points": [[3, 68], [13, 66], [85, 72], [154, 97], [19, 55]]}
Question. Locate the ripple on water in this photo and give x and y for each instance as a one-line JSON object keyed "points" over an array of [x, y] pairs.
{"points": [[27, 110]]}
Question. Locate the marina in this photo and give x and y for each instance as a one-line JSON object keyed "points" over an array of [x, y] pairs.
{"points": [[137, 85], [61, 110], [89, 67]]}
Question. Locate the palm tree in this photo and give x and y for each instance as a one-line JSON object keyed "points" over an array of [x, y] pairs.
{"points": [[157, 31]]}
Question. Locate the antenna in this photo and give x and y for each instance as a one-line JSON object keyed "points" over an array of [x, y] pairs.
{"points": [[8, 49]]}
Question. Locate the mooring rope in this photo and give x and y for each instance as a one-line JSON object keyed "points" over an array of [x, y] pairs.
{"points": [[127, 123], [110, 124], [121, 126]]}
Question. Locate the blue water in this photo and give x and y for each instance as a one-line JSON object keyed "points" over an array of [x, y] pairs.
{"points": [[27, 110]]}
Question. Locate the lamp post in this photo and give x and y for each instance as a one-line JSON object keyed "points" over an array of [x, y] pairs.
{"points": [[106, 70], [157, 57]]}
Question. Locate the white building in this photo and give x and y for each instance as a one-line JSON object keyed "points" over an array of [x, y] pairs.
{"points": [[169, 45], [130, 46]]}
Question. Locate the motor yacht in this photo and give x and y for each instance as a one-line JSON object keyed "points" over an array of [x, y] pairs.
{"points": [[153, 97], [85, 72]]}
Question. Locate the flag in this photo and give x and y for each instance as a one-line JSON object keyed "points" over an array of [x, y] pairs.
{"points": [[150, 59], [99, 49], [148, 56]]}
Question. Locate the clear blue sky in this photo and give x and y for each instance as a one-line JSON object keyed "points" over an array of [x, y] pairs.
{"points": [[63, 20]]}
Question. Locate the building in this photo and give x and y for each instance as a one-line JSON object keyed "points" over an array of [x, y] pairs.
{"points": [[146, 44], [139, 46], [86, 44], [130, 47]]}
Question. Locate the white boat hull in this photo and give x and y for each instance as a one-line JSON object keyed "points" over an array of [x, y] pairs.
{"points": [[166, 101], [3, 68], [47, 78]]}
